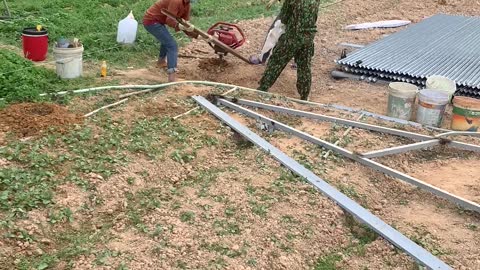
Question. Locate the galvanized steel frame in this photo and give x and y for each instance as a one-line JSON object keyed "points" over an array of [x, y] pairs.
{"points": [[392, 131], [274, 124], [376, 224]]}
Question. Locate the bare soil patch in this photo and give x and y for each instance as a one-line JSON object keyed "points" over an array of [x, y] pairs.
{"points": [[28, 119]]}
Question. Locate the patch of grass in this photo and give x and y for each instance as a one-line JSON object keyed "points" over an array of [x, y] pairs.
{"points": [[230, 211], [224, 227], [71, 244], [187, 217], [20, 80], [61, 216], [142, 203], [259, 209], [224, 250], [23, 190], [328, 262], [472, 227], [183, 155]]}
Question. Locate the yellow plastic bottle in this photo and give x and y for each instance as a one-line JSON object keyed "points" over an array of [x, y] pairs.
{"points": [[103, 71]]}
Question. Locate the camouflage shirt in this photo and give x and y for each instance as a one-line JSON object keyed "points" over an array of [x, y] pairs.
{"points": [[300, 16]]}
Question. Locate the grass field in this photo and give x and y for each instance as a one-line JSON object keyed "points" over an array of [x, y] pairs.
{"points": [[95, 23]]}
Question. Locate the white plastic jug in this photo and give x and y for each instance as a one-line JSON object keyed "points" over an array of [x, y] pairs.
{"points": [[127, 30]]}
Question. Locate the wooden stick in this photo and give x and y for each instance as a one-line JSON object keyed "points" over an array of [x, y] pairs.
{"points": [[205, 35], [343, 136], [198, 107], [105, 107]]}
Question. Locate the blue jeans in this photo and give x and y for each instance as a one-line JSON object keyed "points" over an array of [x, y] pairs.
{"points": [[168, 45]]}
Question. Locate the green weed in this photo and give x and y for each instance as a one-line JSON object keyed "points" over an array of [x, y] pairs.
{"points": [[328, 262], [187, 217], [223, 227]]}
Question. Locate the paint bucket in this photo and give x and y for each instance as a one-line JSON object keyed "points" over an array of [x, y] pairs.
{"points": [[401, 99], [69, 62], [466, 114], [35, 44], [441, 83], [431, 107]]}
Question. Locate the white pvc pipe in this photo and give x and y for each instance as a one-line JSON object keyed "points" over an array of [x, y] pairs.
{"points": [[158, 86]]}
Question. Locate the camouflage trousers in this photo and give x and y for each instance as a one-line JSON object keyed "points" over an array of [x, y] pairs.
{"points": [[286, 49]]}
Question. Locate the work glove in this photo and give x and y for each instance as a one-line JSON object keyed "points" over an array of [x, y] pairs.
{"points": [[186, 29]]}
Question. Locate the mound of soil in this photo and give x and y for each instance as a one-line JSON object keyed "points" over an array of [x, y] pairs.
{"points": [[28, 119], [214, 65]]}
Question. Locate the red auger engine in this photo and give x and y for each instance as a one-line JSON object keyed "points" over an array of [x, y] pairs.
{"points": [[229, 34]]}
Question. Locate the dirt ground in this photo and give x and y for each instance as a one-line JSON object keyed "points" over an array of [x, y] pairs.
{"points": [[255, 216], [29, 119]]}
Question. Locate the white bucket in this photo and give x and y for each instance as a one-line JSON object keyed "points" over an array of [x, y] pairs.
{"points": [[431, 107], [443, 84], [401, 100], [69, 62]]}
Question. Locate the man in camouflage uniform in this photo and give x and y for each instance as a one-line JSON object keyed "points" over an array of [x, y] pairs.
{"points": [[300, 19]]}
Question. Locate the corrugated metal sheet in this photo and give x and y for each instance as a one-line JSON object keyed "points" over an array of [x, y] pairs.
{"points": [[444, 45]]}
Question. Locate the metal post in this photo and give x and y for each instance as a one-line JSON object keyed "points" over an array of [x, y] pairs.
{"points": [[348, 154], [376, 224]]}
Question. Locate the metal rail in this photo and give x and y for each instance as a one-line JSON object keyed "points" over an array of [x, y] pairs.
{"points": [[331, 119], [392, 131], [274, 124], [386, 231], [458, 133], [401, 149]]}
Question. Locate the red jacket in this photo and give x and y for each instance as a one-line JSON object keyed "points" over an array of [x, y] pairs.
{"points": [[177, 7]]}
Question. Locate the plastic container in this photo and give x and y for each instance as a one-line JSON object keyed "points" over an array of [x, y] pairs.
{"points": [[466, 114], [127, 30], [441, 83], [431, 107], [35, 44], [401, 100], [69, 62], [103, 69]]}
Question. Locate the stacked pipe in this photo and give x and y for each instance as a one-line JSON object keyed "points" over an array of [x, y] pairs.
{"points": [[443, 45]]}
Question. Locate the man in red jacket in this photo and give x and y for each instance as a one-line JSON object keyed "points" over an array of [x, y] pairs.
{"points": [[155, 22]]}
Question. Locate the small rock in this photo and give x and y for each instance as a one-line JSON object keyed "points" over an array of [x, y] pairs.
{"points": [[110, 211], [38, 251]]}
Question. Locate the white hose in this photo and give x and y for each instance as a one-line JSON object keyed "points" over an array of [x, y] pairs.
{"points": [[208, 83]]}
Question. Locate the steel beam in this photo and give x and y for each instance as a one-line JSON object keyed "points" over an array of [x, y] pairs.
{"points": [[332, 119], [458, 133], [376, 224], [319, 117], [401, 149], [348, 154]]}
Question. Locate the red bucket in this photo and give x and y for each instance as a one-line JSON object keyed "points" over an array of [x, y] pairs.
{"points": [[35, 44]]}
